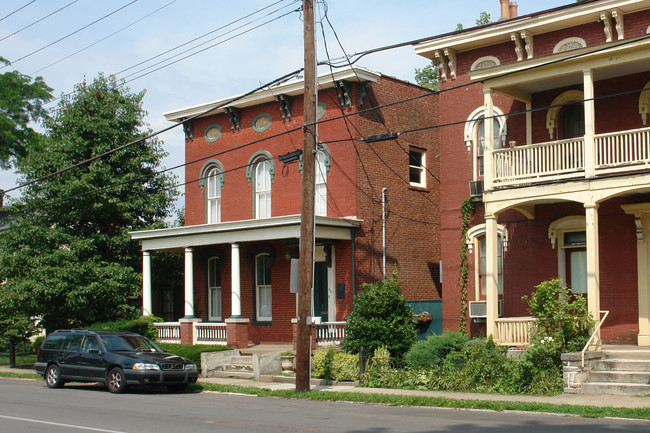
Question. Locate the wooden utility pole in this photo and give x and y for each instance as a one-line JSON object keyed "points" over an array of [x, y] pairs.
{"points": [[305, 278]]}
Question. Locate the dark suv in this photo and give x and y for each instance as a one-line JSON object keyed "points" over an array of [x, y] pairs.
{"points": [[117, 358]]}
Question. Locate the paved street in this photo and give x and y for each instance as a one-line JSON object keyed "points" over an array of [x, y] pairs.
{"points": [[27, 406]]}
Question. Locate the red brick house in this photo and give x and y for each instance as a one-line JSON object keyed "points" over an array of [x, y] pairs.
{"points": [[560, 175], [242, 206]]}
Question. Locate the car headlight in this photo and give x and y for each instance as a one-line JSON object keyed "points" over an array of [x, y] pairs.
{"points": [[191, 367], [143, 366]]}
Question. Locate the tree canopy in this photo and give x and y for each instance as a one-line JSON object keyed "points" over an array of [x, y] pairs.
{"points": [[68, 258], [21, 102]]}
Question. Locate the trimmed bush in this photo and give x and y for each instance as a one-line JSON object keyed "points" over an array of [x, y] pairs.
{"points": [[143, 325], [380, 317], [431, 352], [192, 352], [333, 365]]}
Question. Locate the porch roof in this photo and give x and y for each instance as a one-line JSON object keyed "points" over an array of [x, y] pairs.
{"points": [[284, 227]]}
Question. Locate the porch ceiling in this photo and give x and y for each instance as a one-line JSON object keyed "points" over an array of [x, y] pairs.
{"points": [[286, 227]]}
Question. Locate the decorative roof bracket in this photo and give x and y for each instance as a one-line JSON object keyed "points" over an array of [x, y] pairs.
{"points": [[363, 92], [523, 42], [606, 17], [188, 129], [344, 92], [286, 106], [235, 118]]}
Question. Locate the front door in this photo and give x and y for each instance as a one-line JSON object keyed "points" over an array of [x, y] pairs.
{"points": [[320, 291]]}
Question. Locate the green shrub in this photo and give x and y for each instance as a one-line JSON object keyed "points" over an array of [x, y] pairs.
{"points": [[36, 344], [321, 363], [431, 352], [345, 366], [192, 352], [561, 315], [143, 325], [380, 317]]}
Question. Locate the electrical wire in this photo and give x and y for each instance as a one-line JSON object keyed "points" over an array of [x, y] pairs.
{"points": [[104, 38], [17, 10], [71, 34], [39, 20]]}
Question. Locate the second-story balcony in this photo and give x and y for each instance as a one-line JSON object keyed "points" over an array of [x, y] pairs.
{"points": [[611, 153]]}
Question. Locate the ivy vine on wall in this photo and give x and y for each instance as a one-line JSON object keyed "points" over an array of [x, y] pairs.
{"points": [[467, 210]]}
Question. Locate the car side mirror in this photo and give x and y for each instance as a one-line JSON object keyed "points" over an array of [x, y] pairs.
{"points": [[95, 351]]}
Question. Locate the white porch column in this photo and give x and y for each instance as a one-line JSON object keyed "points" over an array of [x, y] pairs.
{"points": [[146, 284], [492, 273], [590, 124], [235, 281], [593, 266], [488, 144], [189, 283]]}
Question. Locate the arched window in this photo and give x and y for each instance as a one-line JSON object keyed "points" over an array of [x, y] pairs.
{"points": [[214, 289], [475, 136], [213, 199], [262, 193], [263, 292], [566, 119], [211, 183]]}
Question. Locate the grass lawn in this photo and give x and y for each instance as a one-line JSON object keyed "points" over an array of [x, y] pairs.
{"points": [[23, 360]]}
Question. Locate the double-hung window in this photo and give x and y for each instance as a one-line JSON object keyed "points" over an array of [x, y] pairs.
{"points": [[213, 196], [417, 164], [263, 292], [263, 189], [320, 204]]}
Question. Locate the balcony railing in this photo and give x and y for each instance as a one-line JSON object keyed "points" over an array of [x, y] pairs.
{"points": [[169, 332], [328, 333], [209, 333], [513, 331], [615, 152]]}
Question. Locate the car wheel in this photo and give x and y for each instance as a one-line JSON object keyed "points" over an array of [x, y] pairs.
{"points": [[53, 377], [115, 381], [177, 388]]}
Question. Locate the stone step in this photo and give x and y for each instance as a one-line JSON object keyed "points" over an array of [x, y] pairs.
{"points": [[633, 377], [636, 365], [615, 388], [233, 374], [237, 367], [627, 354], [242, 360]]}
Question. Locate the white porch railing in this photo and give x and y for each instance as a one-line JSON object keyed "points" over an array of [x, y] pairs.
{"points": [[329, 333], [539, 162], [614, 152], [169, 332], [621, 151], [513, 331], [209, 333]]}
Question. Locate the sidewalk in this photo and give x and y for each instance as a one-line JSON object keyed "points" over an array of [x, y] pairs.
{"points": [[598, 400]]}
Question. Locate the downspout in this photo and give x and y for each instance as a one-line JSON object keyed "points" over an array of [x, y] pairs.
{"points": [[383, 232]]}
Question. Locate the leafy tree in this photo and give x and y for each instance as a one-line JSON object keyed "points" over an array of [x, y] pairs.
{"points": [[381, 317], [21, 101], [68, 258]]}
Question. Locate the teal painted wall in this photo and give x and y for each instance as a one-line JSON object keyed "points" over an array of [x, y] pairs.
{"points": [[433, 307]]}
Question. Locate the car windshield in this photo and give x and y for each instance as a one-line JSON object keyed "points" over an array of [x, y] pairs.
{"points": [[129, 343]]}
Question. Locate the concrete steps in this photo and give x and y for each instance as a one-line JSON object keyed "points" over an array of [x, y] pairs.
{"points": [[240, 367], [623, 370]]}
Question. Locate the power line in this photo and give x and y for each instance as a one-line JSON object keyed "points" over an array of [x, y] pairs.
{"points": [[17, 10], [104, 38], [39, 20], [199, 37], [71, 34]]}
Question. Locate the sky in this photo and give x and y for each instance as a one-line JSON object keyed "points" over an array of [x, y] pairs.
{"points": [[237, 45]]}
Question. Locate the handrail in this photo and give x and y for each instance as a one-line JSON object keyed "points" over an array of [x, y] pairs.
{"points": [[593, 334]]}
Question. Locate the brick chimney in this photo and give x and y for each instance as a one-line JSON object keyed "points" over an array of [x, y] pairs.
{"points": [[513, 9], [505, 9]]}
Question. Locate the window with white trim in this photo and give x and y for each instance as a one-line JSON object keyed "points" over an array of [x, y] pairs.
{"points": [[475, 136], [214, 289], [263, 291], [417, 164], [213, 204], [320, 203], [262, 189], [482, 268]]}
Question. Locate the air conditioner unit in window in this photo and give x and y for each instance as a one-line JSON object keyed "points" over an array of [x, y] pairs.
{"points": [[476, 188], [478, 309]]}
